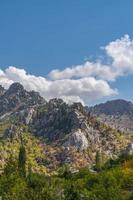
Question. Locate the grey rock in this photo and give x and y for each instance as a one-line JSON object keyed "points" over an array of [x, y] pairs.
{"points": [[17, 98], [129, 149], [78, 140]]}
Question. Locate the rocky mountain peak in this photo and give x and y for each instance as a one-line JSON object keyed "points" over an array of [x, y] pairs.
{"points": [[117, 114], [15, 88], [118, 106], [17, 98], [55, 103]]}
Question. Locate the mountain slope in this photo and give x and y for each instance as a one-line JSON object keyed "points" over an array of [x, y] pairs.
{"points": [[71, 126], [64, 134], [117, 114]]}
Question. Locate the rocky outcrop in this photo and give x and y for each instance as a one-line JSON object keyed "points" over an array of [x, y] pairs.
{"points": [[72, 127], [77, 139], [17, 98]]}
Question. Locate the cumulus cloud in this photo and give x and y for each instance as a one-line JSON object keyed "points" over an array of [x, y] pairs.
{"points": [[85, 83], [84, 89], [119, 51], [85, 70]]}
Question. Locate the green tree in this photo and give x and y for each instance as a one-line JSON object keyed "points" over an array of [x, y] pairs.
{"points": [[22, 161], [65, 172], [98, 161]]}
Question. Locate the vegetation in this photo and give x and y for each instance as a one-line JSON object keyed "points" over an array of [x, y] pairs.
{"points": [[114, 182], [98, 161], [23, 149], [23, 177], [22, 161], [32, 155]]}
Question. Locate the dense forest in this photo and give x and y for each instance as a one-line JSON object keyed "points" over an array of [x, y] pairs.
{"points": [[111, 181]]}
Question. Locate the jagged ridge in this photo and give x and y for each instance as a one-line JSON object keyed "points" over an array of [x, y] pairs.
{"points": [[117, 114], [67, 133]]}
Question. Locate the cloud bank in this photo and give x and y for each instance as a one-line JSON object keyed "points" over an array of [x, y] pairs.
{"points": [[84, 83], [83, 89]]}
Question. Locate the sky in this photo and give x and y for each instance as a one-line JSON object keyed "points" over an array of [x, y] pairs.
{"points": [[78, 50]]}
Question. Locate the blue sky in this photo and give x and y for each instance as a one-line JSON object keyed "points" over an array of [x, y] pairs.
{"points": [[42, 35]]}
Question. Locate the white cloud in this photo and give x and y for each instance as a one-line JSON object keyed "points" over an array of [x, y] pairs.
{"points": [[121, 54], [83, 89], [85, 83], [85, 70]]}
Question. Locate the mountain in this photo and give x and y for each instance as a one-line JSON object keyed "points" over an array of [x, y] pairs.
{"points": [[54, 133], [17, 98], [70, 126], [117, 114]]}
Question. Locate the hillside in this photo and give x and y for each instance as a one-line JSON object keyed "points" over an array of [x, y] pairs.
{"points": [[61, 133], [52, 150], [117, 114]]}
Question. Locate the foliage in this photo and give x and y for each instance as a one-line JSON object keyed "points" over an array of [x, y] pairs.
{"points": [[98, 161], [109, 184], [22, 161], [23, 177]]}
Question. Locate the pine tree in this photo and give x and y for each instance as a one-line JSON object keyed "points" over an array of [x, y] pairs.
{"points": [[22, 161], [98, 161]]}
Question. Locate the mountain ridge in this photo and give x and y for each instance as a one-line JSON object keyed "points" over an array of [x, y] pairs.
{"points": [[64, 134], [116, 113]]}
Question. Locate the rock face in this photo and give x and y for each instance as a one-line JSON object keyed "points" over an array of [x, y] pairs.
{"points": [[77, 139], [71, 126], [17, 98], [117, 114]]}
